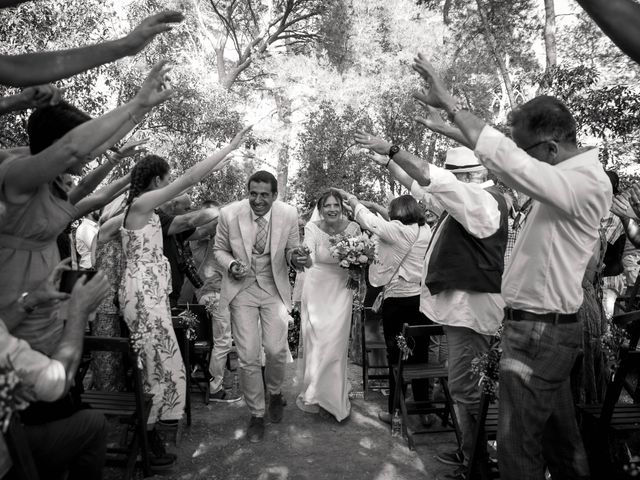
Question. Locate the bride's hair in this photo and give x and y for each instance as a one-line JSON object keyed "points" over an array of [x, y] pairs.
{"points": [[327, 195]]}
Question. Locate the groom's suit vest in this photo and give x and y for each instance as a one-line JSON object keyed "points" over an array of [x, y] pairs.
{"points": [[260, 270]]}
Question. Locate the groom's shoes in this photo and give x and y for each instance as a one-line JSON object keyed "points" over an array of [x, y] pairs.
{"points": [[255, 432], [276, 406]]}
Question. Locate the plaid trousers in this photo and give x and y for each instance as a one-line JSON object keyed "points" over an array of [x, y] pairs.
{"points": [[536, 422]]}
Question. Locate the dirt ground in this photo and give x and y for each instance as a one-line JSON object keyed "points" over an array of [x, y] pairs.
{"points": [[303, 446]]}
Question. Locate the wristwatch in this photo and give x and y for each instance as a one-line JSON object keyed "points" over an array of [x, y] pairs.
{"points": [[22, 301], [393, 150]]}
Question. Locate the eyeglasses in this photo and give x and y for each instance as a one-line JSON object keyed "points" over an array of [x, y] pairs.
{"points": [[538, 144]]}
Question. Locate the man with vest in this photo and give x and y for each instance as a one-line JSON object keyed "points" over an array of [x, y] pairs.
{"points": [[542, 284], [463, 266]]}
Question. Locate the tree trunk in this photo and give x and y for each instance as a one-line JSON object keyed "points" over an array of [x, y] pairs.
{"points": [[550, 33], [498, 54], [283, 103]]}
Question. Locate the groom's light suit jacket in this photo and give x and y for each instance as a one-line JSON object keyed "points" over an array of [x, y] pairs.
{"points": [[234, 240]]}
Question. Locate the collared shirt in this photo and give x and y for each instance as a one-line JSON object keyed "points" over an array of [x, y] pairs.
{"points": [[254, 231], [478, 212], [85, 235], [555, 244], [394, 240]]}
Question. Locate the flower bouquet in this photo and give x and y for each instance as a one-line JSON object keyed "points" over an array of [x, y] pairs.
{"points": [[14, 396], [353, 253]]}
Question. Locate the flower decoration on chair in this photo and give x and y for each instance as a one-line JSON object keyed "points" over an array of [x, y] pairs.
{"points": [[14, 395], [611, 342], [404, 347], [486, 366], [189, 321], [354, 253]]}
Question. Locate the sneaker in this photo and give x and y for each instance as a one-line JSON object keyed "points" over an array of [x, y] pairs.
{"points": [[255, 431], [454, 458], [276, 406], [223, 396]]}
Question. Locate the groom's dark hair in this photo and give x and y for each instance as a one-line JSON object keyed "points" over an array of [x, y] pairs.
{"points": [[262, 176]]}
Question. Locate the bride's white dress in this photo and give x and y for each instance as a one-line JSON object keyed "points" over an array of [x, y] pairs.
{"points": [[326, 319]]}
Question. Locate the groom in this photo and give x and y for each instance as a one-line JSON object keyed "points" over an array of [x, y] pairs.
{"points": [[256, 241]]}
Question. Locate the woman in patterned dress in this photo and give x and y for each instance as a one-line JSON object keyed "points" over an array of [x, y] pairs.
{"points": [[146, 284]]}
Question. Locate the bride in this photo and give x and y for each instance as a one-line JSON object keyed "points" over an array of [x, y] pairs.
{"points": [[326, 313]]}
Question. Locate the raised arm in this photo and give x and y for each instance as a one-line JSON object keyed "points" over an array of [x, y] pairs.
{"points": [[191, 220], [30, 97], [44, 67], [619, 20], [414, 166], [434, 122], [103, 196], [26, 174], [151, 200], [90, 181]]}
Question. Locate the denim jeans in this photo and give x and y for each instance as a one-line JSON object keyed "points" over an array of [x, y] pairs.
{"points": [[536, 420]]}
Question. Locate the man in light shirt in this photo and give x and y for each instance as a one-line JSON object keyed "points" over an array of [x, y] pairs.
{"points": [[462, 267], [542, 283], [85, 237], [73, 444]]}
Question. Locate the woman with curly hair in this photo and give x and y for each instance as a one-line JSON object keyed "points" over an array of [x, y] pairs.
{"points": [[146, 284]]}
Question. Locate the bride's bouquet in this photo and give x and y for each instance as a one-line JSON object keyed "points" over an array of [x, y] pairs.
{"points": [[354, 253]]}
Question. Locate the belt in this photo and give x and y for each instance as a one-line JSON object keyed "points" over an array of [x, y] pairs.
{"points": [[555, 318]]}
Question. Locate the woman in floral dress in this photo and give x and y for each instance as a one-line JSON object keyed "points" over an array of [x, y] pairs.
{"points": [[146, 284]]}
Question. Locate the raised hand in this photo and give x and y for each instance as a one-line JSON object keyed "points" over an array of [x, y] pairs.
{"points": [[438, 95], [132, 148], [373, 143], [41, 96], [433, 120], [151, 26], [235, 142], [155, 89]]}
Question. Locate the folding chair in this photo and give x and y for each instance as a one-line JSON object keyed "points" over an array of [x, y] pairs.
{"points": [[601, 423], [372, 351], [132, 408], [406, 373]]}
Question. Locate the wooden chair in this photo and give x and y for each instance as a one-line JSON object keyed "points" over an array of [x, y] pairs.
{"points": [[406, 373], [486, 429], [131, 407], [601, 423], [200, 347], [183, 343], [372, 349], [24, 466]]}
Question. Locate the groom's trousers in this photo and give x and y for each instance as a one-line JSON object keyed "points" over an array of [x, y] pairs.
{"points": [[259, 319]]}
